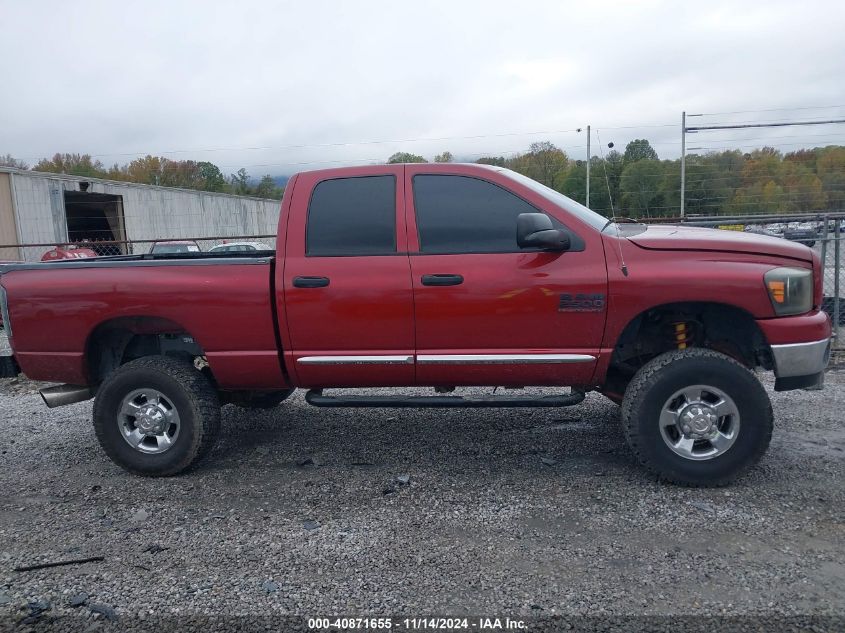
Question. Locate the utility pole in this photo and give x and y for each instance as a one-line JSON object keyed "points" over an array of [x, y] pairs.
{"points": [[683, 159], [588, 167]]}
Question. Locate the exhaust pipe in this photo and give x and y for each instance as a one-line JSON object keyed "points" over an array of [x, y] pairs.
{"points": [[61, 395]]}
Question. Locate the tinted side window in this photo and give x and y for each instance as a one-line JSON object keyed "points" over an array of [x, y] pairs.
{"points": [[352, 216], [459, 214]]}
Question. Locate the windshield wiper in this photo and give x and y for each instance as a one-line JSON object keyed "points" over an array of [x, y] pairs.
{"points": [[619, 220]]}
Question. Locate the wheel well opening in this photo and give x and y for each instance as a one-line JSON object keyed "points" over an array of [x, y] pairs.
{"points": [[119, 341], [720, 327]]}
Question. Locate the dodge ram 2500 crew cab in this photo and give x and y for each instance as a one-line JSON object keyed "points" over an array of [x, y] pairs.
{"points": [[436, 276]]}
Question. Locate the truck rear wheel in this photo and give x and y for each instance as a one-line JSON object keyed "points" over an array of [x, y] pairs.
{"points": [[696, 417], [156, 416]]}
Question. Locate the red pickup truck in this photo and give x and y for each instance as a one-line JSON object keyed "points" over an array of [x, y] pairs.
{"points": [[433, 276]]}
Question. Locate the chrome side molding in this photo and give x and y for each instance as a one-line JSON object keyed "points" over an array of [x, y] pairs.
{"points": [[356, 360], [495, 359], [448, 359]]}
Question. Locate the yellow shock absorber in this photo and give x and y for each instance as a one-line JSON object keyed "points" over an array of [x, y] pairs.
{"points": [[681, 334]]}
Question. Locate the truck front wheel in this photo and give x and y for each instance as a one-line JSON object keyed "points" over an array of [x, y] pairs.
{"points": [[156, 416], [697, 417]]}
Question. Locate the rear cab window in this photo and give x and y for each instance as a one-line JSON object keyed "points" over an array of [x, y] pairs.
{"points": [[352, 216]]}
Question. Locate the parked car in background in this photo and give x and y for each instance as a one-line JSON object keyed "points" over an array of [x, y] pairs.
{"points": [[240, 247], [67, 251], [175, 246], [760, 230], [804, 233]]}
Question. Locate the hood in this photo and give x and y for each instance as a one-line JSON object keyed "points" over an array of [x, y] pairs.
{"points": [[690, 238]]}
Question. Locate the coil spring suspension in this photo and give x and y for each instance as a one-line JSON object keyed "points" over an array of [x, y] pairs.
{"points": [[683, 337]]}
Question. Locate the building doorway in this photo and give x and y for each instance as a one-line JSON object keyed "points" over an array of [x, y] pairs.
{"points": [[93, 218]]}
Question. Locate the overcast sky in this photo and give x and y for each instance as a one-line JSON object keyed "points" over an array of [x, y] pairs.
{"points": [[282, 86]]}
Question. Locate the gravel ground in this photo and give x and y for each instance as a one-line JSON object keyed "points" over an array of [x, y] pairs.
{"points": [[521, 513]]}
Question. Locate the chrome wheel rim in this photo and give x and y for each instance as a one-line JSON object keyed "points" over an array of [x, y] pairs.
{"points": [[699, 422], [148, 421]]}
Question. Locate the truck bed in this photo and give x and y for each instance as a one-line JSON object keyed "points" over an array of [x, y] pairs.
{"points": [[224, 302]]}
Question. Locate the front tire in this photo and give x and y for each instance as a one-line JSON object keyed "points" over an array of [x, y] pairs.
{"points": [[696, 417], [156, 416]]}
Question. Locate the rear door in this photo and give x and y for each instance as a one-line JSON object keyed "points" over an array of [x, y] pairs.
{"points": [[486, 311], [347, 283]]}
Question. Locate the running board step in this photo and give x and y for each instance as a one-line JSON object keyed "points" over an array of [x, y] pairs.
{"points": [[315, 397]]}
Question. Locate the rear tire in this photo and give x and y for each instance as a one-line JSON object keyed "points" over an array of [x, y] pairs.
{"points": [[156, 416], [696, 417]]}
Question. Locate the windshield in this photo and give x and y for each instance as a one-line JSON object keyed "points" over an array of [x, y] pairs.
{"points": [[567, 204]]}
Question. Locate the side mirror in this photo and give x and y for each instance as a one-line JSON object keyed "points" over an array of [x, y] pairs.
{"points": [[535, 230]]}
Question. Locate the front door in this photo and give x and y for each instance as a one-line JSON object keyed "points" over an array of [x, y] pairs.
{"points": [[348, 305], [486, 312]]}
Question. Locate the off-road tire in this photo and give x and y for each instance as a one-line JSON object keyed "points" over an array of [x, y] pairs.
{"points": [[190, 391], [657, 380]]}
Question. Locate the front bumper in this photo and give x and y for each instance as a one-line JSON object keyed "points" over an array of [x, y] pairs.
{"points": [[800, 365], [801, 359], [800, 349]]}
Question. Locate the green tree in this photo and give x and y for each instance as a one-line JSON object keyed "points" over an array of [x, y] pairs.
{"points": [[599, 195], [639, 149], [641, 196], [708, 186], [267, 188], [611, 169], [211, 176], [239, 182], [803, 190], [445, 157], [546, 163], [405, 157], [830, 168], [573, 182], [543, 162]]}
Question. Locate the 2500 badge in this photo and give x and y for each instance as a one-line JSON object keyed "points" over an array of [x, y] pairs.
{"points": [[581, 302]]}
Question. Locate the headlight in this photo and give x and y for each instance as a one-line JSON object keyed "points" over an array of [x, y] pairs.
{"points": [[790, 289]]}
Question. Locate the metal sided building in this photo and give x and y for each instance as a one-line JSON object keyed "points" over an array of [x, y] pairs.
{"points": [[50, 209]]}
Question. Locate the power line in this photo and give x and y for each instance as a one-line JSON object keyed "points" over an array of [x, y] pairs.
{"points": [[754, 125], [769, 110]]}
